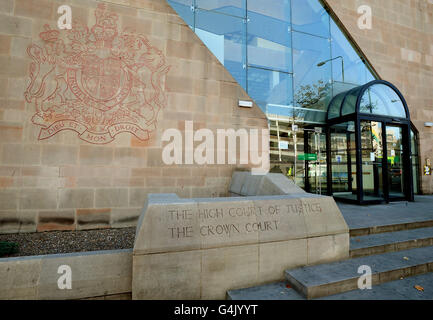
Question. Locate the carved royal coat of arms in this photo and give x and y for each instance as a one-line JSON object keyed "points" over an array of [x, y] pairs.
{"points": [[96, 81]]}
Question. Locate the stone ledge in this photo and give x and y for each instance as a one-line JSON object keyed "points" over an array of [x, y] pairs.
{"points": [[94, 274]]}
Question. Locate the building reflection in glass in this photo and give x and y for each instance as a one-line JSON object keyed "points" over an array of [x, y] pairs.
{"points": [[291, 57]]}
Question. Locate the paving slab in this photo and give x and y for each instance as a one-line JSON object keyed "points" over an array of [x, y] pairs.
{"points": [[394, 213], [403, 289], [395, 290], [272, 291]]}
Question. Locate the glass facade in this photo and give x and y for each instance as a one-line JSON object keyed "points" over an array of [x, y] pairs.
{"points": [[289, 55], [293, 59]]}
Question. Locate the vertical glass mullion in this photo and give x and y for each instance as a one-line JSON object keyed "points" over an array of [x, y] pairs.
{"points": [[408, 160], [331, 57], [293, 80], [246, 46], [292, 63], [194, 9], [328, 132]]}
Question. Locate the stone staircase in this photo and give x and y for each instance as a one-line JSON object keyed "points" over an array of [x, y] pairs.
{"points": [[400, 256], [378, 243]]}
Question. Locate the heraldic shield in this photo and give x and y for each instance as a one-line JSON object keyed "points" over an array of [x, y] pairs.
{"points": [[96, 81]]}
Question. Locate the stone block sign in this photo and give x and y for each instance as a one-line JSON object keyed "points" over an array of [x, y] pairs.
{"points": [[200, 248]]}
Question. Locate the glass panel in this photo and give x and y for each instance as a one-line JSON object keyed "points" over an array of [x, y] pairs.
{"points": [[309, 16], [269, 38], [334, 108], [343, 160], [310, 115], [340, 87], [317, 168], [271, 90], [394, 138], [413, 143], [272, 11], [382, 100], [298, 142], [184, 10], [225, 37], [349, 104], [372, 160], [232, 7], [286, 145], [312, 74], [355, 71], [339, 171]]}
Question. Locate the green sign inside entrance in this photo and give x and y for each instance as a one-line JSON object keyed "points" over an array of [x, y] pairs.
{"points": [[307, 157]]}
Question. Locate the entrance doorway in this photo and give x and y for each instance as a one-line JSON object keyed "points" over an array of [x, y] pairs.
{"points": [[395, 168], [343, 160], [382, 157], [368, 145], [373, 161]]}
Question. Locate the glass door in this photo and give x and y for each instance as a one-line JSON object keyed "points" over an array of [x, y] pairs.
{"points": [[315, 158], [372, 160], [342, 160], [395, 168]]}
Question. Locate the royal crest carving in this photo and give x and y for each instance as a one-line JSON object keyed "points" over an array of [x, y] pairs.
{"points": [[97, 81]]}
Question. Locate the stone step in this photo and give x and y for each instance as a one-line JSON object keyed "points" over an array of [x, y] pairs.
{"points": [[272, 291], [390, 241], [337, 277], [410, 224], [394, 290]]}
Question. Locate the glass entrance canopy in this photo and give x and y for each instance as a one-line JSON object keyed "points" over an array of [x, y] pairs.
{"points": [[369, 145], [375, 98]]}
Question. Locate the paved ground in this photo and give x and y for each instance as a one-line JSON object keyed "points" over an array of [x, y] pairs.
{"points": [[395, 290], [386, 214]]}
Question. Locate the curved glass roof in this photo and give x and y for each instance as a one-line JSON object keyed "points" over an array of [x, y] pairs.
{"points": [[377, 97]]}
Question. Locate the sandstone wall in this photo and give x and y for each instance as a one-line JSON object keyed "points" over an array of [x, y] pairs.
{"points": [[64, 164], [400, 48]]}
